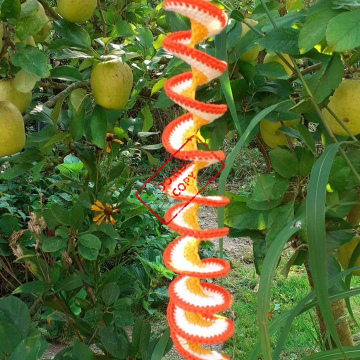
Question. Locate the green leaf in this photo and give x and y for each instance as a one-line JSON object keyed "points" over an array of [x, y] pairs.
{"points": [[272, 70], [53, 244], [67, 73], [306, 137], [9, 338], [307, 160], [343, 31], [89, 246], [73, 35], [31, 59], [314, 30], [161, 346], [10, 9], [158, 86], [284, 162], [60, 213], [267, 275], [277, 218], [31, 348], [268, 192], [110, 293], [283, 40], [77, 117], [71, 282], [328, 78], [221, 53], [176, 22], [17, 313], [114, 342], [76, 215], [15, 171], [98, 126], [82, 352], [36, 287], [122, 29], [24, 81], [148, 118], [315, 220]]}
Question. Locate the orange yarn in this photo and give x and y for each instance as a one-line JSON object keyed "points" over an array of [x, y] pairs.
{"points": [[193, 304]]}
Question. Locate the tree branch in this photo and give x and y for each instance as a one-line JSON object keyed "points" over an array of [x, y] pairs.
{"points": [[52, 102]]}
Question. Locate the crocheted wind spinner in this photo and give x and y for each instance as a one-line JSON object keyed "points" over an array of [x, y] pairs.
{"points": [[193, 303]]}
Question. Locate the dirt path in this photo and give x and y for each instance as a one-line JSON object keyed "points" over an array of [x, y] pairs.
{"points": [[237, 250]]}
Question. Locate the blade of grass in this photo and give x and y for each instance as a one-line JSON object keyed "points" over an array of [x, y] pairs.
{"points": [[284, 320], [315, 221], [221, 53], [337, 354]]}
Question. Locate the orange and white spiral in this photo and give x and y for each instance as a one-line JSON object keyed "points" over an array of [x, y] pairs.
{"points": [[194, 303]]}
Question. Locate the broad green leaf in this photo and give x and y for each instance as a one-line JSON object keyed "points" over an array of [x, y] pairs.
{"points": [[161, 346], [76, 215], [31, 59], [314, 30], [25, 81], [15, 171], [110, 293], [55, 112], [114, 342], [81, 352], [53, 244], [10, 9], [283, 40], [343, 31], [67, 73], [60, 213], [71, 282], [89, 246], [77, 118], [284, 162], [36, 287], [148, 118], [73, 35], [158, 86], [17, 313], [122, 29], [9, 338], [328, 78], [31, 348], [98, 126], [272, 70], [306, 137]]}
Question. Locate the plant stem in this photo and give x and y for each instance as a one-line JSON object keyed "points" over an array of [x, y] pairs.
{"points": [[102, 18]]}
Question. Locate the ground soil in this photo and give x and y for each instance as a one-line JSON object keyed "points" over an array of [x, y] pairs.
{"points": [[237, 250]]}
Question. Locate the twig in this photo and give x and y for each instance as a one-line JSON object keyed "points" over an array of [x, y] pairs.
{"points": [[102, 18], [306, 71], [52, 102]]}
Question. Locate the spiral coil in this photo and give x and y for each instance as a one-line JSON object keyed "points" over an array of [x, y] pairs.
{"points": [[193, 304]]}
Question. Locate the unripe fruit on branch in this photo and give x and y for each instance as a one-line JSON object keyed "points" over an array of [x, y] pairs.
{"points": [[111, 84], [9, 93], [271, 135], [45, 30], [12, 130], [345, 103], [77, 11], [273, 57], [251, 55]]}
